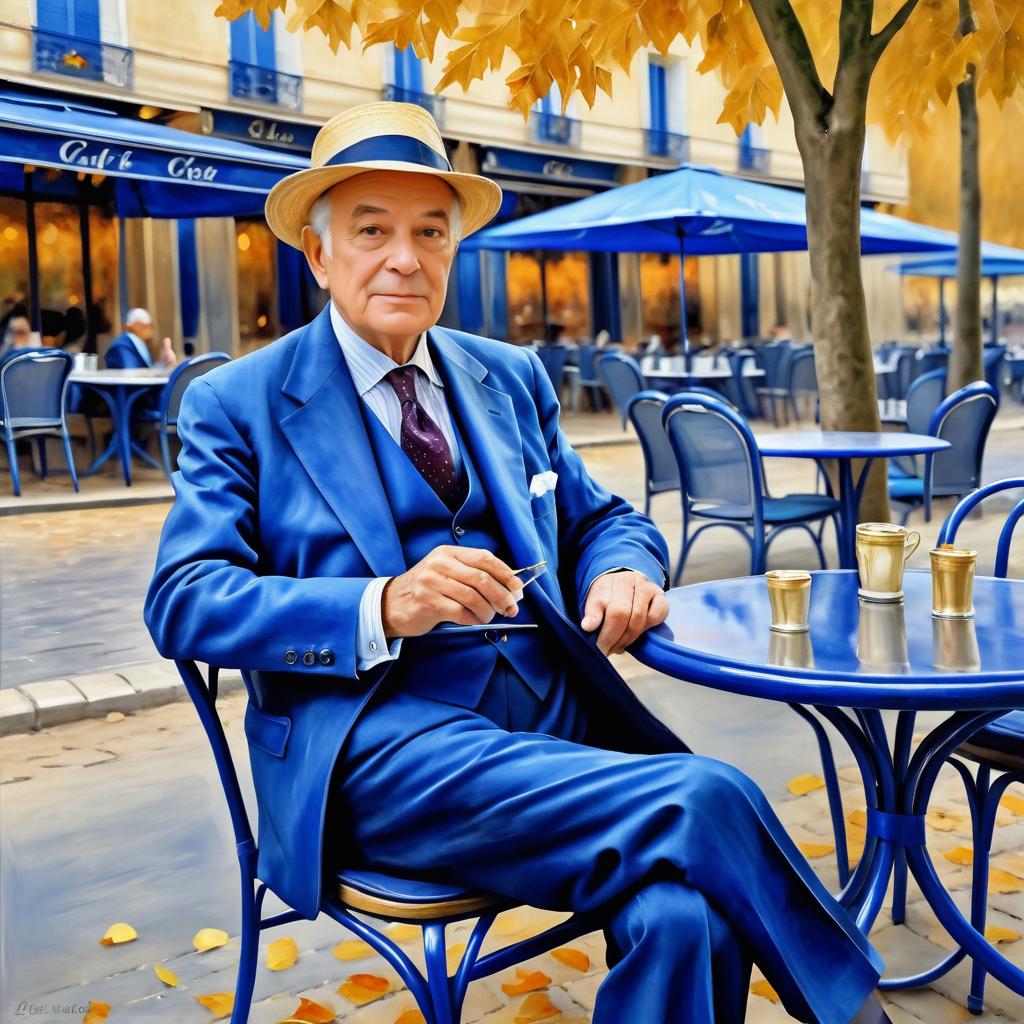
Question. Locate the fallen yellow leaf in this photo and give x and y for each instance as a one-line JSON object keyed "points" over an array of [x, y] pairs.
{"points": [[507, 923], [114, 716], [97, 1012], [805, 784], [361, 989], [812, 850], [1000, 881], [1012, 862], [962, 855], [536, 1007], [403, 933], [572, 958], [309, 1012], [220, 1004], [765, 991], [943, 820], [209, 938], [411, 1017], [859, 818], [118, 933], [453, 955], [352, 949], [997, 933], [1013, 803], [166, 975], [528, 981], [282, 954]]}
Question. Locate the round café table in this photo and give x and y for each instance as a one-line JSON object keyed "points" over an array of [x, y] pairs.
{"points": [[844, 446], [857, 659], [120, 389]]}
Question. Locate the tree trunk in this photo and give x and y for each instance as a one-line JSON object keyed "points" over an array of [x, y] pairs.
{"points": [[965, 358]]}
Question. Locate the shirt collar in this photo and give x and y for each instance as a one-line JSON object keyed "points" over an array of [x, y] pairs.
{"points": [[368, 365]]}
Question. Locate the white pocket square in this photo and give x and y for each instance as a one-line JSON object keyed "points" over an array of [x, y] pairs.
{"points": [[542, 483]]}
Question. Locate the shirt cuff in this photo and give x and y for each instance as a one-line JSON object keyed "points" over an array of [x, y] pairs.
{"points": [[372, 645]]}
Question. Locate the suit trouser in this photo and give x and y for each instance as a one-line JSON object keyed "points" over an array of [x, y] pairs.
{"points": [[695, 870]]}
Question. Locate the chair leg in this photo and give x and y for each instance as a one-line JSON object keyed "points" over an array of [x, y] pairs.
{"points": [[758, 554], [983, 825], [437, 972], [69, 457], [41, 449], [12, 458], [683, 550], [252, 903]]}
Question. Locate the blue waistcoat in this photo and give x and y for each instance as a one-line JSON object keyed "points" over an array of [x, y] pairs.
{"points": [[455, 668]]}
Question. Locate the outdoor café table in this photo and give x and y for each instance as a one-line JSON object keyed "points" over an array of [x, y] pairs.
{"points": [[705, 373], [121, 388], [717, 635], [845, 446]]}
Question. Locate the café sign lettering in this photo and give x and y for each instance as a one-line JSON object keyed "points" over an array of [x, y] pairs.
{"points": [[80, 153], [269, 131]]}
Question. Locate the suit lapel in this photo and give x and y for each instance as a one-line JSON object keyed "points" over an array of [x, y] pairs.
{"points": [[328, 435]]}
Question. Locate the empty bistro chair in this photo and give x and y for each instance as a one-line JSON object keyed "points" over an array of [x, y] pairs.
{"points": [[802, 384], [553, 357], [623, 379], [722, 482], [661, 473], [923, 398]]}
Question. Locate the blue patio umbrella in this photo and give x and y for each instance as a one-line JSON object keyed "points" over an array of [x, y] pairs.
{"points": [[696, 211], [996, 261]]}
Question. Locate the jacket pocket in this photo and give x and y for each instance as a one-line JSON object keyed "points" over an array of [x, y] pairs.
{"points": [[266, 731], [543, 504]]}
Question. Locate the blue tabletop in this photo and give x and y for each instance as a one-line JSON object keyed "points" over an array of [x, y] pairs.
{"points": [[855, 654], [846, 444]]}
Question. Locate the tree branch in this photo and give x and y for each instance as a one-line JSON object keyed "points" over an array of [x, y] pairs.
{"points": [[881, 39], [788, 45], [856, 60]]}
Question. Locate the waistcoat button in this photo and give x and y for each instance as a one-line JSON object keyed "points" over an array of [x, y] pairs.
{"points": [[290, 657], [309, 658]]}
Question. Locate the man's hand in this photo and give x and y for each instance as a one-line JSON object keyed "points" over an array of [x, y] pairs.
{"points": [[467, 586], [167, 356], [623, 604]]}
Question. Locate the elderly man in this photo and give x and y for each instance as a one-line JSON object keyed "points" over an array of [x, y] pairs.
{"points": [[130, 349], [353, 504]]}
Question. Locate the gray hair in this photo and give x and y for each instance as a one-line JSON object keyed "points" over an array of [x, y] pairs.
{"points": [[320, 220]]}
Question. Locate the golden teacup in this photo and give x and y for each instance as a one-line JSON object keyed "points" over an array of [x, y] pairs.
{"points": [[789, 593], [882, 550], [790, 650], [953, 581], [955, 644], [882, 636]]}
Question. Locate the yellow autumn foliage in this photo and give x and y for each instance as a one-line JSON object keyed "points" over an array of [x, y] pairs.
{"points": [[578, 44]]}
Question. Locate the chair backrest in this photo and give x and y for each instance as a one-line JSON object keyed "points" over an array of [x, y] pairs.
{"points": [[947, 535], [622, 377], [644, 412], [742, 389], [33, 388], [936, 359], [183, 375], [588, 371], [906, 369], [963, 419], [719, 463], [923, 397], [553, 357], [802, 374], [774, 360], [992, 363]]}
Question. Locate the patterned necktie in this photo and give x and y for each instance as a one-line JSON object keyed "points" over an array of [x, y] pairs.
{"points": [[422, 439]]}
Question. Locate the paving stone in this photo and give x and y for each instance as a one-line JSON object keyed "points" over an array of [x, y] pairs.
{"points": [[56, 701], [17, 712], [106, 691]]}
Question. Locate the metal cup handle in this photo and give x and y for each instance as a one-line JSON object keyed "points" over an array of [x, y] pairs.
{"points": [[909, 549]]}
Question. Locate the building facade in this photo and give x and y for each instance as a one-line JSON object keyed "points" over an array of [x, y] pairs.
{"points": [[223, 282]]}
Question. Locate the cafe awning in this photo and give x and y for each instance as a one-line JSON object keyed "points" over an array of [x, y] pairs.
{"points": [[157, 171]]}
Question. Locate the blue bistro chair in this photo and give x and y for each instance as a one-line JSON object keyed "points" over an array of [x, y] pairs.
{"points": [[998, 747], [739, 388], [586, 380], [774, 358], [802, 382], [554, 357], [165, 417], [963, 419], [623, 379], [33, 403], [722, 480], [371, 894], [661, 473], [923, 398], [992, 360]]}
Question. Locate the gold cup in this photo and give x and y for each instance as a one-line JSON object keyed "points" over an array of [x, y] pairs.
{"points": [[882, 550], [789, 592], [955, 644], [790, 650], [882, 636], [953, 581]]}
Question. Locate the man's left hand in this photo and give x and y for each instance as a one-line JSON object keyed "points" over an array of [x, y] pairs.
{"points": [[623, 604]]}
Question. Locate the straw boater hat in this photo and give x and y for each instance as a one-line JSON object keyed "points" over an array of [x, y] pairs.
{"points": [[376, 137]]}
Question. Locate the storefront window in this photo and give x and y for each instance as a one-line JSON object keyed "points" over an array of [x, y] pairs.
{"points": [[103, 260], [659, 290], [567, 287], [258, 320], [13, 255], [61, 284]]}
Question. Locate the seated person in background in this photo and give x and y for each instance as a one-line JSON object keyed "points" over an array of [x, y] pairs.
{"points": [[130, 349], [18, 335]]}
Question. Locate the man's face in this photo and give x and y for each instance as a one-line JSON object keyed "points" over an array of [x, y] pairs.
{"points": [[21, 331], [141, 330], [391, 251]]}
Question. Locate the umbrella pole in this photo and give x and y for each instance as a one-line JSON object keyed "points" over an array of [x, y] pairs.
{"points": [[682, 295], [995, 309], [942, 311]]}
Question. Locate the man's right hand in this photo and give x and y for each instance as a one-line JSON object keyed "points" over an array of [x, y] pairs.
{"points": [[467, 586]]}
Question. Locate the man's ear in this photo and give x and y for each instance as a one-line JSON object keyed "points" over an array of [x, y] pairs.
{"points": [[314, 252]]}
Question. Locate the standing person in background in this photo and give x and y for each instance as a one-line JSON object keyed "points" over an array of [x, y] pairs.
{"points": [[130, 349]]}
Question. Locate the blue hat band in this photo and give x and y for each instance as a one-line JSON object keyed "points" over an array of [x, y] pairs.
{"points": [[390, 147]]}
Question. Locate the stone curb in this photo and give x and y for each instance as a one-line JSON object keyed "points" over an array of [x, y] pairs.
{"points": [[130, 688]]}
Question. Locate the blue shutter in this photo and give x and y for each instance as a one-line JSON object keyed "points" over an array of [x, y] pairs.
{"points": [[408, 70], [656, 85], [263, 46], [84, 19], [53, 16], [188, 278], [250, 44]]}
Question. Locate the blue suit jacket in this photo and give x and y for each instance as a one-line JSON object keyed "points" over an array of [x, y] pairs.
{"points": [[123, 355], [281, 521]]}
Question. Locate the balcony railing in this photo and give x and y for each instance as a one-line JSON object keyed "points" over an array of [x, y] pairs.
{"points": [[563, 131], [667, 144], [754, 159], [434, 105], [265, 85], [90, 59]]}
